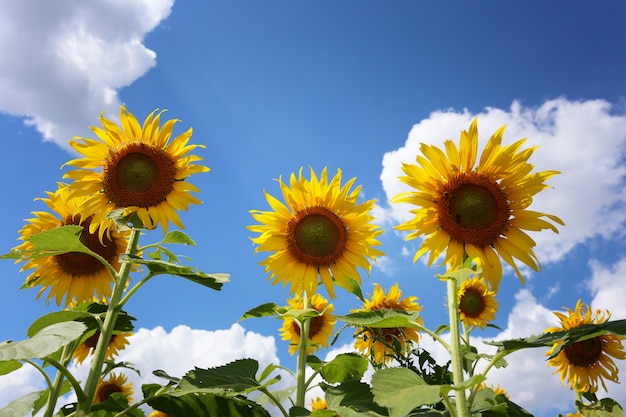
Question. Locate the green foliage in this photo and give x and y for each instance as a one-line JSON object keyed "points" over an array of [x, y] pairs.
{"points": [[52, 242], [354, 395], [158, 267], [201, 404], [385, 318], [43, 343], [344, 367], [21, 406], [402, 390], [234, 378], [605, 407], [6, 367], [264, 310]]}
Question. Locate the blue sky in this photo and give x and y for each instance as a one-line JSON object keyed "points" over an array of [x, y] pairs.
{"points": [[270, 87]]}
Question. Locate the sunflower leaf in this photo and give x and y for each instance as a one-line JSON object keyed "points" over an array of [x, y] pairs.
{"points": [[52, 242], [402, 390], [264, 310], [45, 342], [385, 318], [20, 406], [606, 407], [344, 367], [236, 377], [178, 237], [353, 394], [158, 267], [586, 331], [7, 367]]}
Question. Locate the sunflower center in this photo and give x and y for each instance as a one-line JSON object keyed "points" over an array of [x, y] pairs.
{"points": [[92, 340], [472, 303], [585, 353], [316, 236], [106, 390], [82, 264], [473, 209], [139, 175]]}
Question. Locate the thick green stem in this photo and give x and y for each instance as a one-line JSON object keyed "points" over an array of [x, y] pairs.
{"points": [[107, 328], [456, 354], [302, 354]]}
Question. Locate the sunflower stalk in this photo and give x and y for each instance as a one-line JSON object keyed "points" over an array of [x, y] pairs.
{"points": [[456, 354], [302, 354], [107, 328]]}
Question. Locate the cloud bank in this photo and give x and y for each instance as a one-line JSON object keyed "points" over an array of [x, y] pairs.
{"points": [[64, 62]]}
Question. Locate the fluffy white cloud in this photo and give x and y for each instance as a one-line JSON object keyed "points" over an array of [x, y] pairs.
{"points": [[63, 62], [585, 140]]}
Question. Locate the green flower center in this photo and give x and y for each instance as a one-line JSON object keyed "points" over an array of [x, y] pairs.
{"points": [[585, 353], [139, 175], [473, 208], [472, 303], [316, 236]]}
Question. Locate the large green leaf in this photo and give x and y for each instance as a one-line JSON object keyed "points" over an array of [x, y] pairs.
{"points": [[178, 237], [158, 267], [344, 367], [385, 318], [354, 394], [606, 407], [202, 404], [20, 406], [43, 343], [401, 390], [52, 242], [586, 331], [264, 310], [237, 377], [7, 367]]}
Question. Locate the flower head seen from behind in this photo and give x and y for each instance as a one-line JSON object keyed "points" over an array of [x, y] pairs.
{"points": [[586, 363], [320, 231], [73, 276], [480, 211], [118, 342], [382, 344], [320, 329], [136, 168], [116, 383], [477, 303]]}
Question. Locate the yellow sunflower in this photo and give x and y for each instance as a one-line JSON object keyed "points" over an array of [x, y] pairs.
{"points": [[496, 389], [76, 276], [321, 232], [135, 168], [477, 303], [381, 344], [118, 342], [320, 328], [585, 363], [115, 383], [318, 403], [157, 413], [477, 211]]}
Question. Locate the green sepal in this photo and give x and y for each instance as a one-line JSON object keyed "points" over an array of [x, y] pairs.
{"points": [[385, 318], [45, 342], [401, 390], [158, 267], [201, 404]]}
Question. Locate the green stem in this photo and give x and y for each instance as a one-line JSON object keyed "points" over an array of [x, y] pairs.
{"points": [[107, 328], [434, 336], [62, 369], [456, 355], [134, 289], [302, 353], [274, 400]]}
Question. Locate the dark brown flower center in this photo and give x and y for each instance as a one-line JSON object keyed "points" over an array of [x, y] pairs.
{"points": [[82, 264], [585, 353], [316, 236], [139, 175], [106, 390], [92, 340], [473, 209], [472, 303]]}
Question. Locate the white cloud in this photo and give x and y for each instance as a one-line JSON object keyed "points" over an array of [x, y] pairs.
{"points": [[63, 62], [584, 140], [608, 286]]}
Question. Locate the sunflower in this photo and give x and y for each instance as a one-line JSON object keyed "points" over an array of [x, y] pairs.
{"points": [[320, 329], [496, 389], [480, 211], [585, 363], [321, 232], [381, 344], [318, 403], [115, 383], [135, 168], [118, 342], [78, 277], [477, 303], [157, 413]]}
